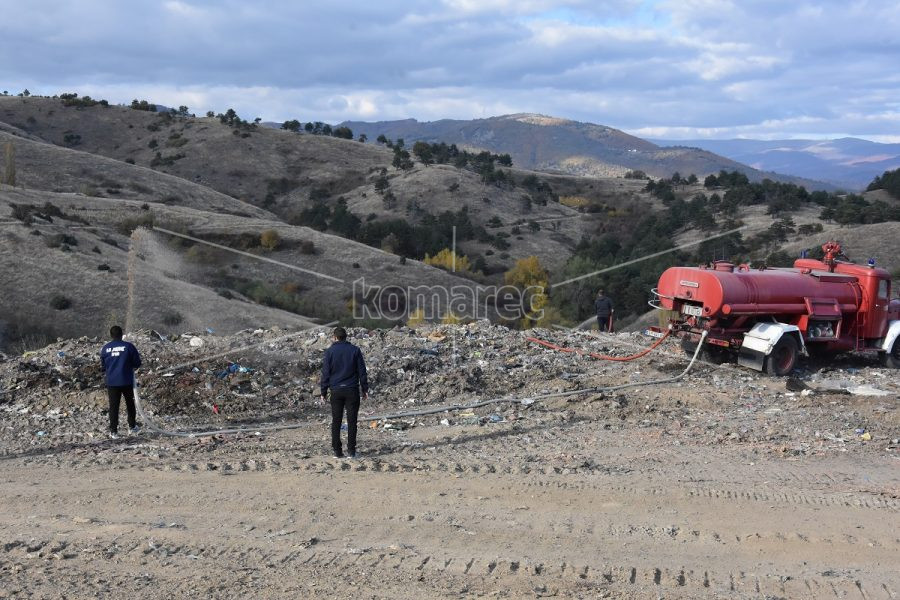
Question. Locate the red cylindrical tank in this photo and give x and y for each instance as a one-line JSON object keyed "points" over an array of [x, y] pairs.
{"points": [[725, 290]]}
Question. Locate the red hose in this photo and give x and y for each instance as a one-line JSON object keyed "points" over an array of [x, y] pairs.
{"points": [[600, 356]]}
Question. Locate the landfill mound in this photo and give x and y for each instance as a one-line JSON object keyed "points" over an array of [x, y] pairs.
{"points": [[204, 382]]}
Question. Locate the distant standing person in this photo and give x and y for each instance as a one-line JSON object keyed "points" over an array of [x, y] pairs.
{"points": [[118, 360], [604, 308], [344, 372]]}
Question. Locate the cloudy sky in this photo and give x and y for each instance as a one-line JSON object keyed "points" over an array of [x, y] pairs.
{"points": [[667, 69]]}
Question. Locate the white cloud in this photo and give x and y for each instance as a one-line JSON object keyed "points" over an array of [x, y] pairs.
{"points": [[714, 67], [183, 9]]}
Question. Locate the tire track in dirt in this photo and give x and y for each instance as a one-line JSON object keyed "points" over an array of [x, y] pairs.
{"points": [[17, 555], [768, 485]]}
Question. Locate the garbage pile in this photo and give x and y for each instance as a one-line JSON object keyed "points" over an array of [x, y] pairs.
{"points": [[271, 375]]}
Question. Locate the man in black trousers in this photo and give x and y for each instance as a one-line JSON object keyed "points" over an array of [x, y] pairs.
{"points": [[603, 306], [344, 371], [119, 359]]}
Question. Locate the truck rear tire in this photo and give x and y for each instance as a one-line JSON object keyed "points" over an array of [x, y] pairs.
{"points": [[783, 357], [892, 359]]}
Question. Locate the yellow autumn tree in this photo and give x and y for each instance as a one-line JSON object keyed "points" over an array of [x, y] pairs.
{"points": [[451, 319], [269, 239], [530, 276], [444, 260], [416, 318]]}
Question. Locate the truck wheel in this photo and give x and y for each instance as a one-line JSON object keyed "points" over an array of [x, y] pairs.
{"points": [[892, 359], [783, 357]]}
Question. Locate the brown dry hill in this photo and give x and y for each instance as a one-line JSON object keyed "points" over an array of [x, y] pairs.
{"points": [[278, 170], [66, 273], [44, 166], [880, 241], [542, 142]]}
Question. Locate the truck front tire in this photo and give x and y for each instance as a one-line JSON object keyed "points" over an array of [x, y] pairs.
{"points": [[783, 358]]}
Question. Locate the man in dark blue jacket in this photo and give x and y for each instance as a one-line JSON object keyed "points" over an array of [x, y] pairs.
{"points": [[119, 359], [344, 371]]}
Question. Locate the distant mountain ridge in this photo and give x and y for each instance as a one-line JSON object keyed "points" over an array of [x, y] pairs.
{"points": [[555, 144], [850, 163]]}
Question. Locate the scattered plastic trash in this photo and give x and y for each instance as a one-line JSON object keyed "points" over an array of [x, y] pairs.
{"points": [[233, 368], [866, 436], [849, 387], [495, 419], [859, 431], [41, 433], [209, 330], [61, 354], [867, 390], [196, 342], [445, 422]]}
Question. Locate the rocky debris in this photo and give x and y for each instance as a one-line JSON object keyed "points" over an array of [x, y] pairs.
{"points": [[270, 376]]}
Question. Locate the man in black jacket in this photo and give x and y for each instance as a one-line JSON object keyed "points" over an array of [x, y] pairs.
{"points": [[344, 371], [604, 308]]}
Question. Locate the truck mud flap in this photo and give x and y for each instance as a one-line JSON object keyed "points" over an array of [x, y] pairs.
{"points": [[752, 359]]}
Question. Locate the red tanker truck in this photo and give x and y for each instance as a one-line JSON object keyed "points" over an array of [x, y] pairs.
{"points": [[769, 316]]}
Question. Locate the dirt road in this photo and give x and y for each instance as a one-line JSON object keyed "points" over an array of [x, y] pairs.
{"points": [[556, 505]]}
